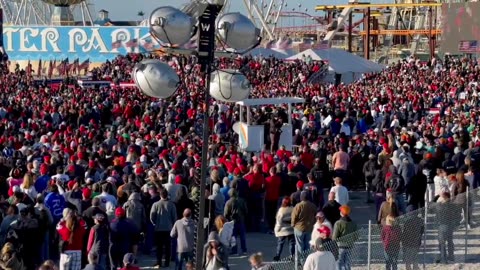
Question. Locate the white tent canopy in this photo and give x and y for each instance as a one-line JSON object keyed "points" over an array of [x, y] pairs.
{"points": [[340, 61]]}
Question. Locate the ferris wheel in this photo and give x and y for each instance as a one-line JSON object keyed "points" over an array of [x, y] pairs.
{"points": [[37, 12], [265, 14]]}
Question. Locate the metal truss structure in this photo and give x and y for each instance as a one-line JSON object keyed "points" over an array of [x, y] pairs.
{"points": [[36, 12]]}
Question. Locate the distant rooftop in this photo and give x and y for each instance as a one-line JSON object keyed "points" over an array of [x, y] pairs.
{"points": [[104, 20]]}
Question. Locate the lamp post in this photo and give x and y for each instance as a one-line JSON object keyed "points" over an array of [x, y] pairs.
{"points": [[431, 44], [206, 47], [171, 27]]}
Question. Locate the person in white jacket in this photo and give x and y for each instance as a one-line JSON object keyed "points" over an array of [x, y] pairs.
{"points": [[321, 221], [440, 183], [283, 228], [320, 259]]}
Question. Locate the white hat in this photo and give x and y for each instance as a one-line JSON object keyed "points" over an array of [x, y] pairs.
{"points": [[419, 145]]}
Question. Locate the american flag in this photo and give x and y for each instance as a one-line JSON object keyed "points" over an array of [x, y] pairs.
{"points": [[84, 65], [117, 44], [147, 44], [28, 69], [51, 67], [322, 45], [467, 46], [132, 43], [73, 66], [40, 68], [434, 111]]}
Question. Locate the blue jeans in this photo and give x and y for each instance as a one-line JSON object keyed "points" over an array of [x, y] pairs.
{"points": [[148, 239], [182, 256], [400, 201], [102, 260], [239, 231], [302, 240], [45, 253], [281, 242], [344, 260], [391, 259], [445, 243]]}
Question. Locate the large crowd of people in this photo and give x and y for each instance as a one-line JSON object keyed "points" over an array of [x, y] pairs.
{"points": [[90, 178]]}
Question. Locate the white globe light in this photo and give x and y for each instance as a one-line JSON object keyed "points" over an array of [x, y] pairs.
{"points": [[229, 86], [155, 78], [171, 26], [237, 31]]}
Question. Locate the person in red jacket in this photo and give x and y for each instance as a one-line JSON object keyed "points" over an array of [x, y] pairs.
{"points": [[256, 183], [71, 230], [391, 234], [307, 158], [272, 194]]}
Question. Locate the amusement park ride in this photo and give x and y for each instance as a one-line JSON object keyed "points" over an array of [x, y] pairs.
{"points": [[404, 21], [417, 12], [45, 12]]}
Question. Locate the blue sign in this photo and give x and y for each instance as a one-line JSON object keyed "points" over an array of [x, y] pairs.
{"points": [[97, 44]]}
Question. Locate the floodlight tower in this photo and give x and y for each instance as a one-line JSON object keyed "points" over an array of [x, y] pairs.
{"points": [[173, 27]]}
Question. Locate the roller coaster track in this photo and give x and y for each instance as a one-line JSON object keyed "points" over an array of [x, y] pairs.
{"points": [[401, 32], [298, 14]]}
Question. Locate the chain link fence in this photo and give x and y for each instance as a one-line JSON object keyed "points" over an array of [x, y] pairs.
{"points": [[441, 235]]}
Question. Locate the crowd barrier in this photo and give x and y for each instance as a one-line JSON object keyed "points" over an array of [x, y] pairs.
{"points": [[89, 84], [439, 226]]}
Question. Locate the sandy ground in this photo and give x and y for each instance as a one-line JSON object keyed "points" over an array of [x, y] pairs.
{"points": [[361, 213]]}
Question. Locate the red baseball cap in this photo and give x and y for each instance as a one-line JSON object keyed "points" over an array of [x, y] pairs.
{"points": [[119, 212], [300, 184], [87, 193]]}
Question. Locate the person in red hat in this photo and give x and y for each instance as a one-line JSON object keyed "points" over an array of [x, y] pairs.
{"points": [[124, 237], [239, 184], [41, 183], [296, 195]]}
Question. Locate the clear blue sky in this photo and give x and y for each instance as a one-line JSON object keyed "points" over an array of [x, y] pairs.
{"points": [[128, 9]]}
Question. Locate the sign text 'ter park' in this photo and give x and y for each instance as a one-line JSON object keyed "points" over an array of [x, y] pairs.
{"points": [[94, 43]]}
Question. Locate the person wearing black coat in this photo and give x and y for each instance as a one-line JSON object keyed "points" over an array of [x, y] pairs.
{"points": [[416, 190], [331, 209], [182, 202], [369, 169]]}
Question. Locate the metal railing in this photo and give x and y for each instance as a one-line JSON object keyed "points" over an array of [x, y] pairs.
{"points": [[439, 234]]}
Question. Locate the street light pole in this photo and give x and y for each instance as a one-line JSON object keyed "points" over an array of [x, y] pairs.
{"points": [[430, 33], [206, 52], [172, 27]]}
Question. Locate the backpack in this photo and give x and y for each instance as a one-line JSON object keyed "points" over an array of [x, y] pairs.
{"points": [[134, 210]]}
